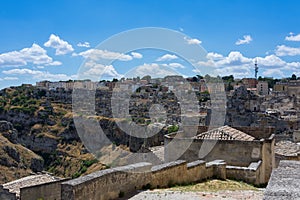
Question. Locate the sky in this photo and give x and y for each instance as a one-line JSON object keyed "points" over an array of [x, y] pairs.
{"points": [[50, 40]]}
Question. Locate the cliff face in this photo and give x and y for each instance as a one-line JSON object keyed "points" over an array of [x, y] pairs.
{"points": [[16, 160], [43, 125]]}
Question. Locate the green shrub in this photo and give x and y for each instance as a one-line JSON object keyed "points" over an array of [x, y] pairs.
{"points": [[173, 128]]}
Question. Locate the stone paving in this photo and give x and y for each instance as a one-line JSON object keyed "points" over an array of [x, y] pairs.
{"points": [[287, 148], [284, 182], [177, 195]]}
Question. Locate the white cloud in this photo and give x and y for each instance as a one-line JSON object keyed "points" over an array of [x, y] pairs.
{"points": [[34, 54], [214, 56], [173, 65], [271, 61], [192, 40], [292, 37], [61, 47], [9, 78], [236, 71], [153, 69], [167, 57], [197, 71], [240, 66], [84, 44], [97, 54], [38, 75], [273, 72], [55, 63], [246, 40], [136, 55], [97, 71], [283, 50], [234, 58]]}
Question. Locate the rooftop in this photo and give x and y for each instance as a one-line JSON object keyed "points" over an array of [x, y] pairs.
{"points": [[32, 180], [225, 133]]}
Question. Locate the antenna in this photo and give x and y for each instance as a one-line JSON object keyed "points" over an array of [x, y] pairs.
{"points": [[256, 68]]}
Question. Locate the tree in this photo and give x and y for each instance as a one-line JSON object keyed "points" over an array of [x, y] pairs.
{"points": [[294, 77], [228, 78], [194, 79]]}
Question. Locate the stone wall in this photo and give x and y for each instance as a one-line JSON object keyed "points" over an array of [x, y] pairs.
{"points": [[107, 184], [112, 183], [49, 191], [167, 174], [6, 195], [233, 152], [238, 153], [248, 174], [279, 157]]}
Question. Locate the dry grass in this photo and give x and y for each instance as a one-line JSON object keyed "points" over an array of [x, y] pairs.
{"points": [[215, 185]]}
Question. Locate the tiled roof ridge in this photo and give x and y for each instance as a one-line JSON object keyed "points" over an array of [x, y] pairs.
{"points": [[225, 133]]}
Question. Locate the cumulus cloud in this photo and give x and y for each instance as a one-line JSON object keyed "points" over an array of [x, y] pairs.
{"points": [[237, 64], [214, 56], [136, 55], [271, 61], [234, 58], [236, 71], [84, 44], [167, 57], [38, 75], [283, 50], [292, 37], [97, 71], [173, 65], [153, 69], [34, 54], [61, 47], [97, 54], [192, 40], [273, 72], [246, 40]]}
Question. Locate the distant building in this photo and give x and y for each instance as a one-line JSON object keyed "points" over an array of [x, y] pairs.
{"points": [[249, 82], [292, 87], [262, 88]]}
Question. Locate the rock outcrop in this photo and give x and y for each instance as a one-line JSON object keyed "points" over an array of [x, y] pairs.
{"points": [[16, 160]]}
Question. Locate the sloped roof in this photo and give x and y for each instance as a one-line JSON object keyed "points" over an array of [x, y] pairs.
{"points": [[28, 181], [225, 133]]}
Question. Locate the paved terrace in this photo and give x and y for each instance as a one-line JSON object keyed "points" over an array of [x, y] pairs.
{"points": [[285, 182]]}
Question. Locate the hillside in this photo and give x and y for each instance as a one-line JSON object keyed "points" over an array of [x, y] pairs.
{"points": [[39, 128]]}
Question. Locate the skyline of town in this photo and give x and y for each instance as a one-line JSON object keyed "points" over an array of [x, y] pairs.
{"points": [[36, 47]]}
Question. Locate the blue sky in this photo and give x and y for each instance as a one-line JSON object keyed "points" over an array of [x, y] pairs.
{"points": [[47, 39]]}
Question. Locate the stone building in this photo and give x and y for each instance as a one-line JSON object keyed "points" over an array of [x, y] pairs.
{"points": [[262, 88], [235, 147], [250, 82], [291, 88]]}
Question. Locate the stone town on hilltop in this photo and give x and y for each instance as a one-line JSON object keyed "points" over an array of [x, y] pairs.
{"points": [[261, 116]]}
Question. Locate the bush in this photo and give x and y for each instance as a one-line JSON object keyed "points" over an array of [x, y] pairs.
{"points": [[173, 128]]}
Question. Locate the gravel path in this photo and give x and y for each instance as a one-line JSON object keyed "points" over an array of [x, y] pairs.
{"points": [[177, 195]]}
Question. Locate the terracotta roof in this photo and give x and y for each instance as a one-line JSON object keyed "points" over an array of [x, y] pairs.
{"points": [[225, 133]]}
